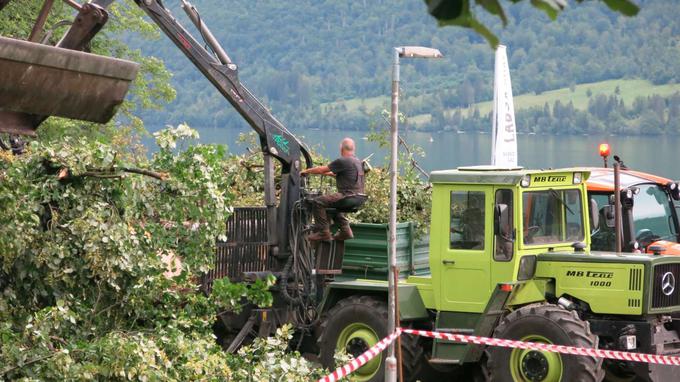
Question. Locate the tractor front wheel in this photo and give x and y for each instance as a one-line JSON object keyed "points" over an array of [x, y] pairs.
{"points": [[549, 324], [354, 325]]}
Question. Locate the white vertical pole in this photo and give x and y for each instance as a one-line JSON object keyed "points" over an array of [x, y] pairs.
{"points": [[391, 362]]}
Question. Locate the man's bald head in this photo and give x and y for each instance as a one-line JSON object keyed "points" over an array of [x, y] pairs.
{"points": [[347, 147]]}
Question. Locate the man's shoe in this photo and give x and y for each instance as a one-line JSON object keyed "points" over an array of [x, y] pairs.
{"points": [[344, 233], [320, 236]]}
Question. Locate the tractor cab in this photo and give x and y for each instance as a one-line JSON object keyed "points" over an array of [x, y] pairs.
{"points": [[488, 218], [649, 215]]}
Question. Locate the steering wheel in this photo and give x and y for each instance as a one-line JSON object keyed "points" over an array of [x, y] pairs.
{"points": [[646, 237], [531, 232]]}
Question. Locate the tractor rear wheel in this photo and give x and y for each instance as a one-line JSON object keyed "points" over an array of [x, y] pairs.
{"points": [[355, 324], [550, 324]]}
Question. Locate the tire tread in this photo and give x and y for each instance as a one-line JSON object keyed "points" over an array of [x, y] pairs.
{"points": [[572, 324]]}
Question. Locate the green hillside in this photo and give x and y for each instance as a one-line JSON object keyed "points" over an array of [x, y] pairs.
{"points": [[628, 91], [301, 57]]}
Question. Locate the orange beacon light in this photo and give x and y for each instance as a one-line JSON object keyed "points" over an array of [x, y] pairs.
{"points": [[604, 152]]}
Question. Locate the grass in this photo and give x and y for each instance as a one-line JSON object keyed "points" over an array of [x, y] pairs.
{"points": [[371, 103], [629, 90]]}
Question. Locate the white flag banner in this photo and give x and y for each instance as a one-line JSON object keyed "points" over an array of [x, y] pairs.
{"points": [[504, 135]]}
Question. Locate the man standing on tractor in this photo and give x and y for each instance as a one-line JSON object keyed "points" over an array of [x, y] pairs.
{"points": [[349, 179]]}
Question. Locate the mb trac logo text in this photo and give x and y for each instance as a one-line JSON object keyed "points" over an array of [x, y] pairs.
{"points": [[601, 279], [550, 178], [593, 274]]}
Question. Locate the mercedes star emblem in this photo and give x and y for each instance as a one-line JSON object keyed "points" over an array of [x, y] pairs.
{"points": [[668, 283]]}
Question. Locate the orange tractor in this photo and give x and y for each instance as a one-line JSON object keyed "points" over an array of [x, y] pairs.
{"points": [[648, 209]]}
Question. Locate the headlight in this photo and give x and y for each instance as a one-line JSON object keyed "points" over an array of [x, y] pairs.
{"points": [[526, 181], [577, 178], [527, 267]]}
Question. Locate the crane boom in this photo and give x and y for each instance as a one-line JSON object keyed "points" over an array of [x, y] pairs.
{"points": [[275, 140]]}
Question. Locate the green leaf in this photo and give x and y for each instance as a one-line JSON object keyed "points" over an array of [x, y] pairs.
{"points": [[495, 8], [448, 9], [551, 7], [485, 32], [453, 12], [625, 7]]}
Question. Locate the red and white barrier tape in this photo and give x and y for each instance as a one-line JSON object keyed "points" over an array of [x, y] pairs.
{"points": [[371, 353], [599, 353], [361, 360]]}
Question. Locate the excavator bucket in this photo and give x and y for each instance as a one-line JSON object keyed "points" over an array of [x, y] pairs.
{"points": [[37, 81]]}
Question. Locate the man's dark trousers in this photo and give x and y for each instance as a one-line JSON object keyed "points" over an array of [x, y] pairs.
{"points": [[321, 218]]}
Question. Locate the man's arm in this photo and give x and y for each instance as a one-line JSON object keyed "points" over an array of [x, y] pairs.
{"points": [[318, 170]]}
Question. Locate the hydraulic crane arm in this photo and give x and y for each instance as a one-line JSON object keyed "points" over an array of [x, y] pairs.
{"points": [[213, 62], [275, 140], [219, 69]]}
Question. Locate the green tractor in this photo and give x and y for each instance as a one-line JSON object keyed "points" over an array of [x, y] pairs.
{"points": [[510, 258], [509, 249]]}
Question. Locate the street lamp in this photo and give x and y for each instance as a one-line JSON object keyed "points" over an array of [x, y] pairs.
{"points": [[392, 278]]}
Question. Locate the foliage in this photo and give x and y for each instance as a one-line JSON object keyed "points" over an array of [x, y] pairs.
{"points": [[269, 359], [413, 201], [102, 247], [302, 57], [247, 184], [413, 194], [227, 294], [608, 114], [86, 248], [460, 13]]}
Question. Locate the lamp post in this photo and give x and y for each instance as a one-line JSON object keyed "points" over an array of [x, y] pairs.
{"points": [[410, 52]]}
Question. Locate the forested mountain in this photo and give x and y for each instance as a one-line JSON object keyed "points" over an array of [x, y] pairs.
{"points": [[302, 56]]}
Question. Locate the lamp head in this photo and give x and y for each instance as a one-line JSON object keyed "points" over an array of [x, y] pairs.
{"points": [[418, 52]]}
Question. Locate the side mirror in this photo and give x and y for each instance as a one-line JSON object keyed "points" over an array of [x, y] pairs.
{"points": [[502, 221], [608, 214], [674, 190], [627, 197], [594, 215]]}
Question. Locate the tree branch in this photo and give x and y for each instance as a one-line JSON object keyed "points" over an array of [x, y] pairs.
{"points": [[413, 161], [39, 359], [153, 174], [113, 172]]}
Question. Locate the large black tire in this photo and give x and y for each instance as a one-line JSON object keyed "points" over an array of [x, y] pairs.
{"points": [[549, 324], [361, 321]]}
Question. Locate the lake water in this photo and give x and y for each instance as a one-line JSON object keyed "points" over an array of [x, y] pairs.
{"points": [[445, 150]]}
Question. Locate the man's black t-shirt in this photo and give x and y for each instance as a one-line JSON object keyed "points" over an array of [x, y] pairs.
{"points": [[349, 175]]}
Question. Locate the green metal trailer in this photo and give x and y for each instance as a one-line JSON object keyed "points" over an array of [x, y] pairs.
{"points": [[366, 255]]}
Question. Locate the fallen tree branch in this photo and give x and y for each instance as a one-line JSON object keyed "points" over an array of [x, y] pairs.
{"points": [[113, 172], [35, 360], [153, 174]]}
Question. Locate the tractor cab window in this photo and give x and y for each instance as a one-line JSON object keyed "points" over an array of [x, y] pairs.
{"points": [[652, 215], [467, 220], [504, 230], [552, 216], [602, 236]]}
